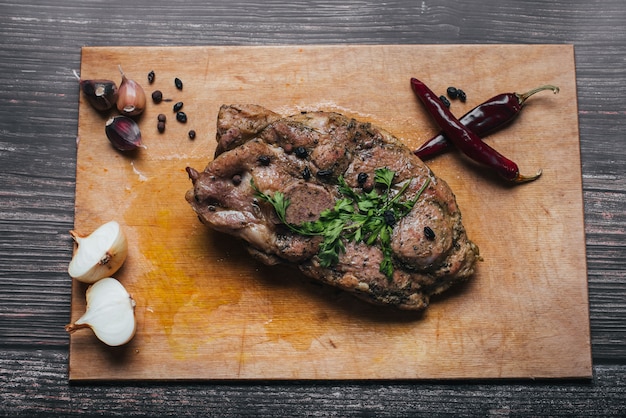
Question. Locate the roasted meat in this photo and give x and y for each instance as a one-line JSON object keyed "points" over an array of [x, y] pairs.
{"points": [[304, 157]]}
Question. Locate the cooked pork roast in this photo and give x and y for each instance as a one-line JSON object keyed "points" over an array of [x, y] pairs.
{"points": [[277, 183]]}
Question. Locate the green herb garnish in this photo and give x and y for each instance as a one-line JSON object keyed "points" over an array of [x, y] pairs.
{"points": [[359, 217]]}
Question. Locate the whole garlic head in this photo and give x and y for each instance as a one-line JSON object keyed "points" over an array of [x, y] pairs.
{"points": [[110, 313], [99, 254]]}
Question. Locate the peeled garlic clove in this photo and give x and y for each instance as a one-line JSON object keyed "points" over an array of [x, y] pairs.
{"points": [[99, 254], [123, 133], [131, 100], [101, 94], [110, 313]]}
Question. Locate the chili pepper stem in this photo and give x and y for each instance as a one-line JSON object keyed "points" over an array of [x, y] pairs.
{"points": [[523, 97], [525, 179]]}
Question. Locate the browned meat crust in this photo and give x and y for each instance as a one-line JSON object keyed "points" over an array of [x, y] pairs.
{"points": [[302, 156]]}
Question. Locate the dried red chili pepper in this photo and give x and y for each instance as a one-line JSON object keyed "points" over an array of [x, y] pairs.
{"points": [[484, 119], [466, 140]]}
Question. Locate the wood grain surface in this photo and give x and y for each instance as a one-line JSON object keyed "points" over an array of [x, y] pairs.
{"points": [[40, 45], [207, 311]]}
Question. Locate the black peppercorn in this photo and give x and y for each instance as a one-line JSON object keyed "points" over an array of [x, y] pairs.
{"points": [[389, 217], [151, 77], [301, 152], [462, 96], [161, 117], [161, 126], [362, 178], [181, 117], [178, 106], [429, 233], [264, 159], [452, 92], [178, 83], [445, 101], [236, 179], [306, 173], [192, 134], [157, 96]]}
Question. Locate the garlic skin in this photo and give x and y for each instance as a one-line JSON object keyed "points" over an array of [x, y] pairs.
{"points": [[123, 133], [110, 313], [131, 98], [99, 254]]}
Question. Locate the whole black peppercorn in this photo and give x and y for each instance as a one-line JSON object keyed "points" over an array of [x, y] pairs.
{"points": [[390, 218], [151, 77], [324, 173], [178, 106], [462, 96], [429, 233], [157, 96], [264, 159], [301, 152], [445, 101], [452, 92], [178, 83], [161, 117], [181, 117], [362, 178], [236, 179], [191, 134], [161, 126]]}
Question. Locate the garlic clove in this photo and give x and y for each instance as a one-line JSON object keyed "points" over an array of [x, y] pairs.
{"points": [[99, 254], [123, 133], [131, 99], [110, 313]]}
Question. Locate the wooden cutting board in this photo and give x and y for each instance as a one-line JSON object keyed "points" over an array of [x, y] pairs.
{"points": [[206, 310]]}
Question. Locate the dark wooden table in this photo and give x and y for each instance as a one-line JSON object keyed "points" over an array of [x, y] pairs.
{"points": [[40, 43]]}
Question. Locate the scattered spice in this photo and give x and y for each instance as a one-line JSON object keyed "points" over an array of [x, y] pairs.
{"points": [[264, 160], [452, 92], [192, 134], [178, 106], [445, 101], [161, 126], [362, 178], [306, 173], [157, 96], [181, 117], [151, 77], [429, 233], [178, 83], [301, 152]]}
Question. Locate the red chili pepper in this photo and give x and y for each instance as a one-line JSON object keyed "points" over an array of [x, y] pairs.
{"points": [[484, 119], [466, 140]]}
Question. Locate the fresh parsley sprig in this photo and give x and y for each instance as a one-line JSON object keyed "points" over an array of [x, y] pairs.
{"points": [[360, 217]]}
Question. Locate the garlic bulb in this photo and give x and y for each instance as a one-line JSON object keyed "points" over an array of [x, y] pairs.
{"points": [[99, 254], [110, 313]]}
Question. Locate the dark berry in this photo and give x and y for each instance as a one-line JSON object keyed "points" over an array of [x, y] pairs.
{"points": [[452, 92], [192, 134], [301, 152], [264, 160], [157, 96], [389, 217]]}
